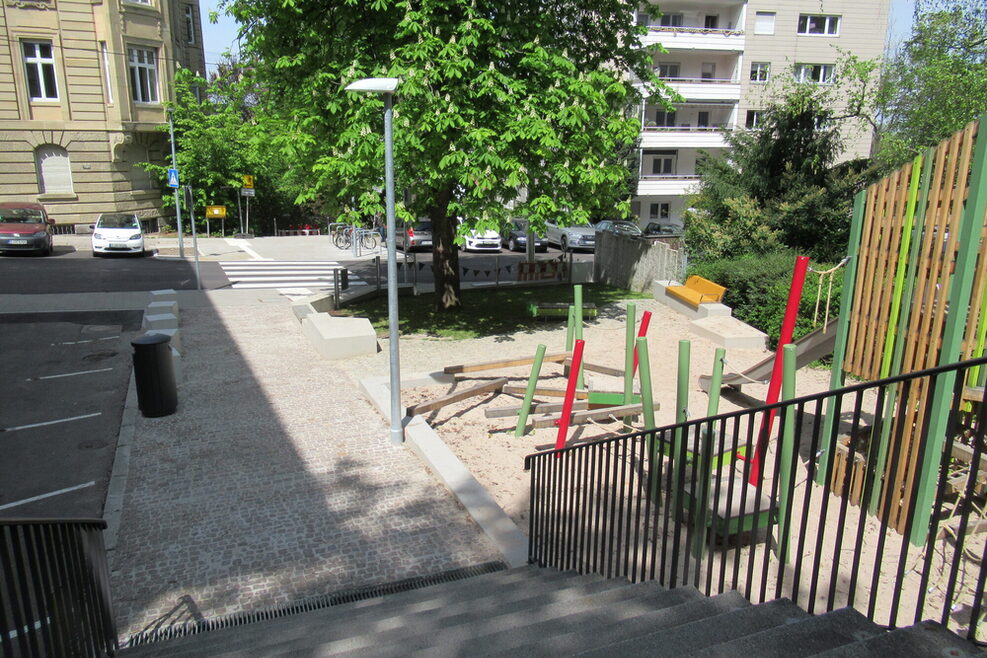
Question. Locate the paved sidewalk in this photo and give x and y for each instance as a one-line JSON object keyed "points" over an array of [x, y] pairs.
{"points": [[273, 481]]}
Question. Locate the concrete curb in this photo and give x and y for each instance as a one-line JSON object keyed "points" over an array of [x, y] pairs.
{"points": [[113, 506], [422, 439]]}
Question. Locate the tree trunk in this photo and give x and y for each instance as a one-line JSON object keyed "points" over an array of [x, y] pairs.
{"points": [[445, 256]]}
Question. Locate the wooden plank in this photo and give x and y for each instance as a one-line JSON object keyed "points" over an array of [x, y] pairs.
{"points": [[952, 527], [438, 403], [604, 370], [593, 414], [508, 363], [540, 408], [965, 454], [859, 308], [545, 392]]}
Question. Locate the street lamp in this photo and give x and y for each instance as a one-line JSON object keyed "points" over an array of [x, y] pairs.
{"points": [[386, 87]]}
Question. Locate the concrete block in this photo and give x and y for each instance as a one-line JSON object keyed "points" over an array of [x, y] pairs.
{"points": [[174, 334], [160, 321], [729, 332], [301, 310], [166, 294], [163, 306], [340, 338]]}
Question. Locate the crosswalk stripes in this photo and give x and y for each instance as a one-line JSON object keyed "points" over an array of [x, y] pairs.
{"points": [[291, 278]]}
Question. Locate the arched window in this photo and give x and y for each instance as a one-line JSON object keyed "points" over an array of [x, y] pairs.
{"points": [[54, 170]]}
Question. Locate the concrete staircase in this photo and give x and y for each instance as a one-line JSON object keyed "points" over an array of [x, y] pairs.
{"points": [[530, 611]]}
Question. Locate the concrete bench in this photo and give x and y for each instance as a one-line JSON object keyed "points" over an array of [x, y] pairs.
{"points": [[339, 337], [696, 291]]}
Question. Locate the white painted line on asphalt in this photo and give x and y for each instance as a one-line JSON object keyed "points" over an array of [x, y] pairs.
{"points": [[108, 338], [83, 342], [231, 274], [51, 422], [245, 246], [296, 277], [48, 495], [301, 282], [69, 374]]}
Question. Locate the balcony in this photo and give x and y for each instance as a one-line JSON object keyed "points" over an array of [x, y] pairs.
{"points": [[666, 185], [684, 136], [695, 38], [706, 89]]}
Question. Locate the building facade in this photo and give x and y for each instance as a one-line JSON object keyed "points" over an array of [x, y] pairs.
{"points": [[721, 56], [82, 87]]}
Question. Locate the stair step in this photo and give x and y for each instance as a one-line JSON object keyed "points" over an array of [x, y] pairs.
{"points": [[644, 639], [926, 638], [447, 638], [803, 638], [388, 616], [601, 627]]}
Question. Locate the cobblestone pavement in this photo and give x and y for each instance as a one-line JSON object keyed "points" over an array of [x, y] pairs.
{"points": [[275, 480]]}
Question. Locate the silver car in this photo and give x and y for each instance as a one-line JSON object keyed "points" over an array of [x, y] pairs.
{"points": [[571, 237], [414, 236]]}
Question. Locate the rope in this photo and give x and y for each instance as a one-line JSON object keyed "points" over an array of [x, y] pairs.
{"points": [[829, 293]]}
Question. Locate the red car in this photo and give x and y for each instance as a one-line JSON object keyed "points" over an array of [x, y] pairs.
{"points": [[25, 227]]}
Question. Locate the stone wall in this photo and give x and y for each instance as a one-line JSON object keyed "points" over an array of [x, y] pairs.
{"points": [[634, 264]]}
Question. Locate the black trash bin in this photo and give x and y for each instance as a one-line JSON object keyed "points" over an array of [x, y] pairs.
{"points": [[155, 375]]}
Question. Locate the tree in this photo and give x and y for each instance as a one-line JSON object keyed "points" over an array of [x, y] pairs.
{"points": [[937, 81], [505, 107], [779, 185]]}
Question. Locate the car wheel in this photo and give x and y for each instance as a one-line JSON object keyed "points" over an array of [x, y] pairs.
{"points": [[512, 244], [564, 244]]}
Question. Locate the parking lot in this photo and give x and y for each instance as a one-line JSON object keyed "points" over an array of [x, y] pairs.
{"points": [[65, 380]]}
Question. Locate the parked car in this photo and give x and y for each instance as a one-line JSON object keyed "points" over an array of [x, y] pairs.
{"points": [[570, 237], [654, 230], [482, 241], [629, 229], [515, 236], [414, 236], [117, 233], [25, 227]]}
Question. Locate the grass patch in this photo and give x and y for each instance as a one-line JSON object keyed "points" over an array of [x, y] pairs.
{"points": [[488, 312]]}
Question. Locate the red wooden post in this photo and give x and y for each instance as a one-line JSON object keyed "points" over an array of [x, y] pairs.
{"points": [[570, 395], [641, 333], [774, 388]]}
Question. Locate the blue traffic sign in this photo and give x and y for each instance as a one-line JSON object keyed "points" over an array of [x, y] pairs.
{"points": [[172, 178]]}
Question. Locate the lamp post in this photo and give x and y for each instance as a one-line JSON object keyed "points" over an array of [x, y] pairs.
{"points": [[174, 165], [386, 87]]}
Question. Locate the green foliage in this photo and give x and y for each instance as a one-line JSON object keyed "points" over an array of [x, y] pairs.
{"points": [[504, 108], [937, 81], [757, 290]]}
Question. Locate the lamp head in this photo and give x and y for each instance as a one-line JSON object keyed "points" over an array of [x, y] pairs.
{"points": [[374, 85]]}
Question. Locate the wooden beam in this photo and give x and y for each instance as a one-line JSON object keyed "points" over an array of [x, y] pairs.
{"points": [[509, 363], [603, 370], [965, 454], [495, 385], [542, 408], [545, 392], [593, 414]]}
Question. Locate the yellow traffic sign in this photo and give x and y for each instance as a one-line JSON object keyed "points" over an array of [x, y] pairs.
{"points": [[248, 181], [216, 211]]}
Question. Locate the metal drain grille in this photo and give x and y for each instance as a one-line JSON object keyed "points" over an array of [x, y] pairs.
{"points": [[312, 603]]}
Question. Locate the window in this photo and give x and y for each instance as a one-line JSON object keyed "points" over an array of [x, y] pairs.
{"points": [[664, 119], [189, 25], [760, 71], [753, 118], [663, 163], [671, 20], [668, 69], [39, 64], [764, 22], [143, 75], [643, 19], [707, 70], [54, 169], [660, 210], [703, 120], [815, 73], [712, 22], [814, 24]]}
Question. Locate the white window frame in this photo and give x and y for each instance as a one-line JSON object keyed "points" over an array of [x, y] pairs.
{"points": [[672, 20], [807, 73], [669, 161], [764, 22], [659, 211], [760, 72], [190, 25], [45, 74], [54, 168], [143, 65], [830, 25], [665, 119], [678, 70], [753, 119]]}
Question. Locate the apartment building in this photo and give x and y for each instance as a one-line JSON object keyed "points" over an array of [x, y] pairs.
{"points": [[721, 57], [82, 87]]}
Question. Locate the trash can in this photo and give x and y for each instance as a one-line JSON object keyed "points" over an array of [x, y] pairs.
{"points": [[154, 374]]}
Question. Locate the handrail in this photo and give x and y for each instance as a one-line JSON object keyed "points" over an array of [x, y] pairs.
{"points": [[696, 30]]}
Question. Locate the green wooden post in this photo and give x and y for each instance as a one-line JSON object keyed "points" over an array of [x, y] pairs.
{"points": [[578, 294], [647, 398], [529, 393], [705, 457], [786, 451], [843, 328], [570, 329], [879, 449], [629, 354], [681, 415], [960, 291], [716, 382]]}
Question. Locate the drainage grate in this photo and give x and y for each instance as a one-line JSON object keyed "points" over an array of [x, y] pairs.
{"points": [[312, 603]]}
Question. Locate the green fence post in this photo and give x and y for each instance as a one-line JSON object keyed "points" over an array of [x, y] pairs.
{"points": [[786, 452], [629, 354], [647, 398], [578, 301], [716, 382], [529, 393], [681, 415]]}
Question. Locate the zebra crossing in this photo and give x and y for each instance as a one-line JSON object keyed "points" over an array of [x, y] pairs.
{"points": [[290, 278]]}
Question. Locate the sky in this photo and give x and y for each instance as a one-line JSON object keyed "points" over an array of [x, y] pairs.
{"points": [[222, 36]]}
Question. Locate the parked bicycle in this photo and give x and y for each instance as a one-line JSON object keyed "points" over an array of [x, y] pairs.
{"points": [[343, 236]]}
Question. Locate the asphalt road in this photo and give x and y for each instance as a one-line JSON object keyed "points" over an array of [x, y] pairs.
{"points": [[64, 383]]}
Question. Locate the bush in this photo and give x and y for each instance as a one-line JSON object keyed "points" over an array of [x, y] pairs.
{"points": [[757, 290]]}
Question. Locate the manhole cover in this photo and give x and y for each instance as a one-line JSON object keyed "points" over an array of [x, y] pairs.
{"points": [[92, 445], [99, 356]]}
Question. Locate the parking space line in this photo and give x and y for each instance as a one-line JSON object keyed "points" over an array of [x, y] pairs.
{"points": [[91, 483], [83, 342], [51, 422], [68, 374]]}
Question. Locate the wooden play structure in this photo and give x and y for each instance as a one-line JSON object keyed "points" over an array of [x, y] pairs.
{"points": [[696, 291]]}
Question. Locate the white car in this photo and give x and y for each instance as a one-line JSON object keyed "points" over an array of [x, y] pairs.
{"points": [[481, 240], [117, 233]]}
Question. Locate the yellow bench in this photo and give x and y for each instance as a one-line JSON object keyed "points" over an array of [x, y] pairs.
{"points": [[697, 290]]}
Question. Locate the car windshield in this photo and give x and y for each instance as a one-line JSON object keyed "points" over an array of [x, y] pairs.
{"points": [[21, 216], [117, 221], [626, 228], [423, 226]]}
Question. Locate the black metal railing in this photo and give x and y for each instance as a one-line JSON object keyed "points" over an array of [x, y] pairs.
{"points": [[677, 504], [54, 589]]}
